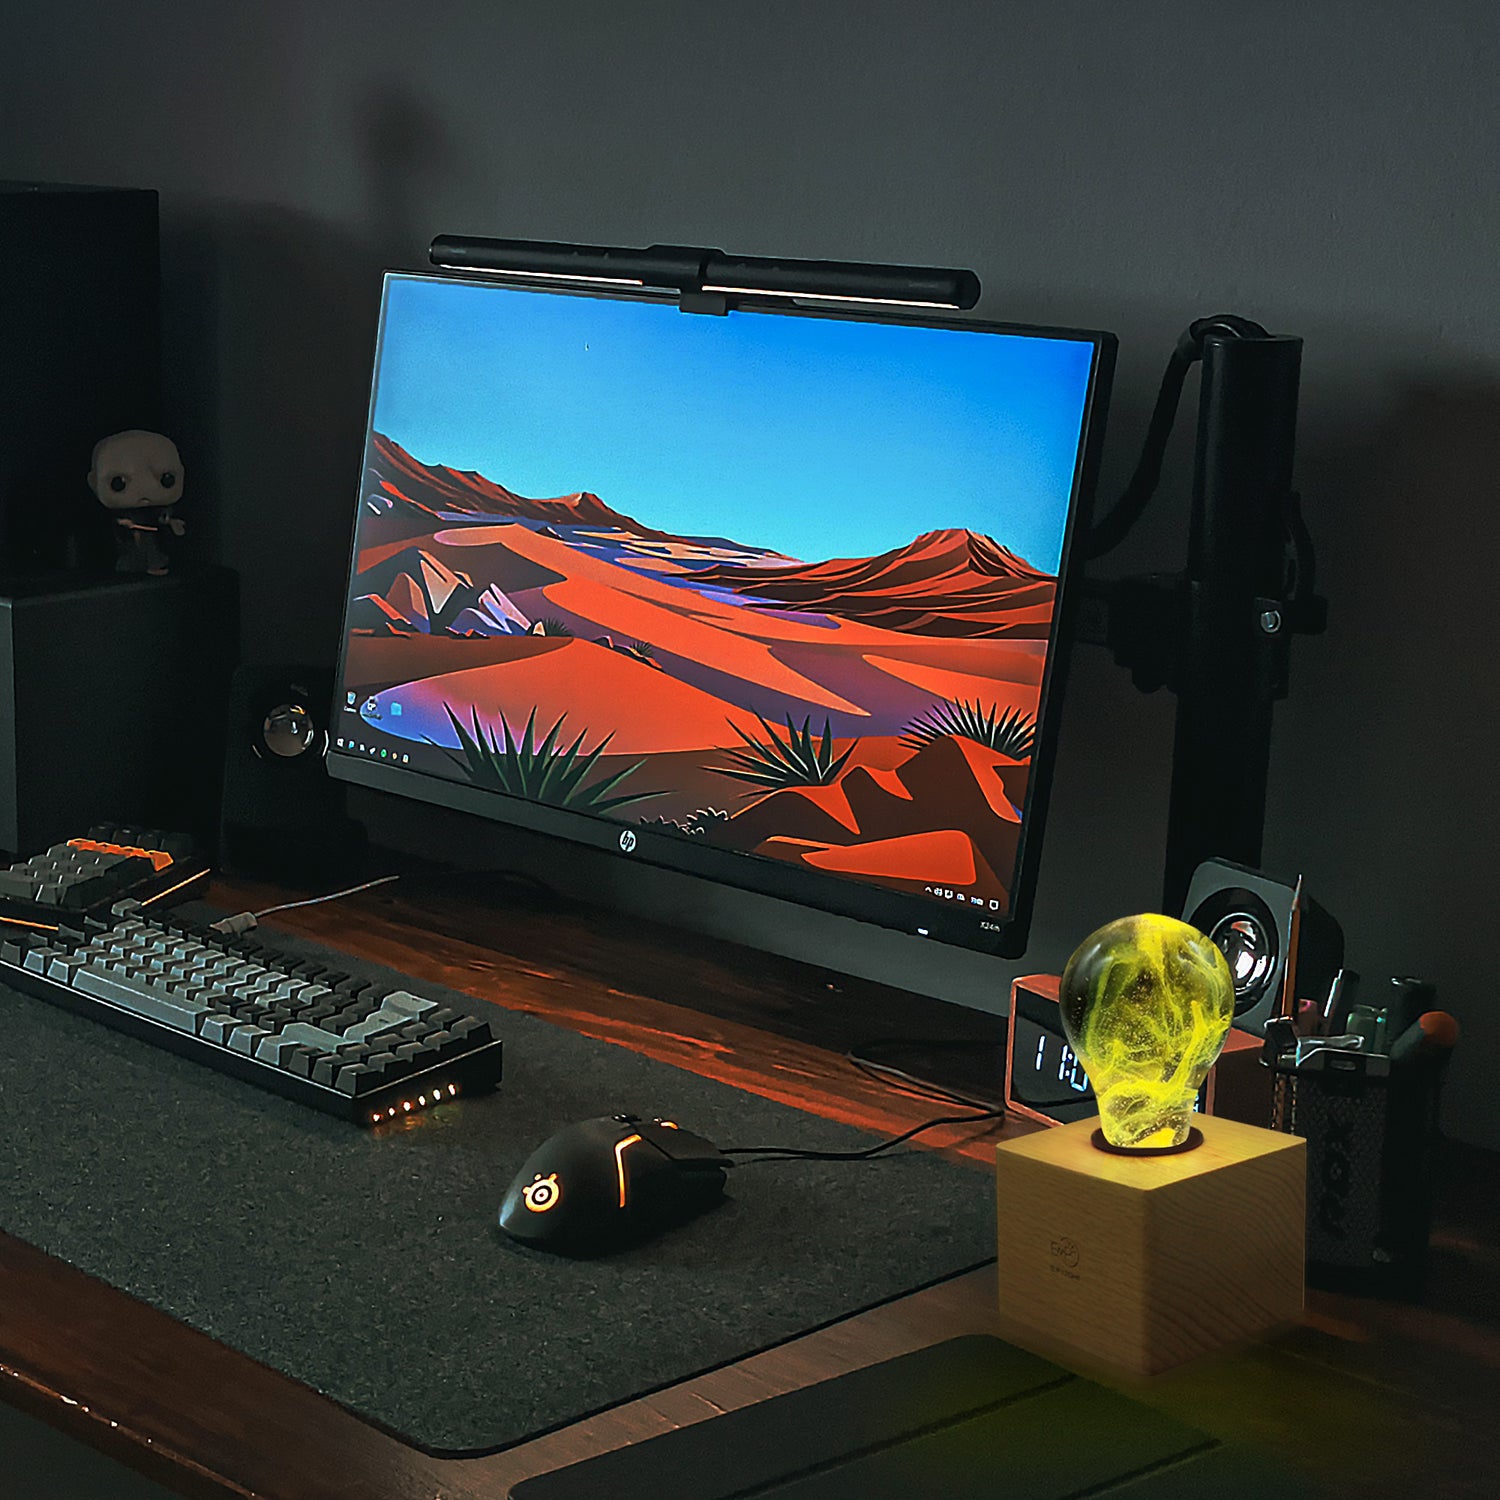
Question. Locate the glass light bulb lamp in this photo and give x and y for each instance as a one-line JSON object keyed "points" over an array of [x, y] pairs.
{"points": [[1146, 1005]]}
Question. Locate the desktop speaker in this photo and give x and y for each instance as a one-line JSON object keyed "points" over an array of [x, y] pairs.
{"points": [[80, 291], [1281, 945], [281, 814]]}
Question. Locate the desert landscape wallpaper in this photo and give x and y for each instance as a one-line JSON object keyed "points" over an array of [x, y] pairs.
{"points": [[868, 716]]}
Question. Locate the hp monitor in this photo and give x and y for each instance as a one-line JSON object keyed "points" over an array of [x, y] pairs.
{"points": [[775, 597]]}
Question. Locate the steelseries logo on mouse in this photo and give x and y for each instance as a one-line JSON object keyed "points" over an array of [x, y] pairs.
{"points": [[542, 1194]]}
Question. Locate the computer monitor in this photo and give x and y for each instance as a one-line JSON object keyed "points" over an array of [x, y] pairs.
{"points": [[775, 597]]}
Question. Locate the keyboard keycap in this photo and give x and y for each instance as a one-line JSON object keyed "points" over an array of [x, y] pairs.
{"points": [[246, 1038], [315, 1037], [405, 1001], [273, 1049]]}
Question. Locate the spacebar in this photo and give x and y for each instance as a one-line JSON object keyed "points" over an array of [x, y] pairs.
{"points": [[157, 1004]]}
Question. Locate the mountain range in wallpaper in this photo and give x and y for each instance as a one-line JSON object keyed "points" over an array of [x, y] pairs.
{"points": [[866, 717]]}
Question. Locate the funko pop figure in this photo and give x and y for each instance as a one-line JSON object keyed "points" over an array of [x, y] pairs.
{"points": [[138, 476]]}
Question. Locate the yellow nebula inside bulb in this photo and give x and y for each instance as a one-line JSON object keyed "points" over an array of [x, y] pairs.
{"points": [[1146, 1004]]}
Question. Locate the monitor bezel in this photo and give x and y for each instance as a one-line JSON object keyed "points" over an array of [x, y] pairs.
{"points": [[951, 922]]}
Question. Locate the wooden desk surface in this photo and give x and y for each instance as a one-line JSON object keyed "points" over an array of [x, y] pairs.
{"points": [[1370, 1397]]}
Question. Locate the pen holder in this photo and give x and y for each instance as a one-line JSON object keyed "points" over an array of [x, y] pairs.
{"points": [[1371, 1131]]}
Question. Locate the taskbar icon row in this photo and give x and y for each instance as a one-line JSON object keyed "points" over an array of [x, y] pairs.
{"points": [[375, 752], [947, 893]]}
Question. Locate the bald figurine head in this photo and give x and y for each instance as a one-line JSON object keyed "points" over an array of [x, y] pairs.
{"points": [[135, 470]]}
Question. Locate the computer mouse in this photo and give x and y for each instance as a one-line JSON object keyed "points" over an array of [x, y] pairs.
{"points": [[603, 1184]]}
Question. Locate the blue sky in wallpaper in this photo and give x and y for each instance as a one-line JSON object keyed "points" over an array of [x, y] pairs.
{"points": [[812, 436]]}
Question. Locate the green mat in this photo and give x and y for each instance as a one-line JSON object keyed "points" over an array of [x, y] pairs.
{"points": [[970, 1419]]}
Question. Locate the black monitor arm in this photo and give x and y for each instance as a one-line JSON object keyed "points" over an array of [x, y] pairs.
{"points": [[1218, 634]]}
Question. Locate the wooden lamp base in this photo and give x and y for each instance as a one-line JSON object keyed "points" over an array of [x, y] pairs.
{"points": [[1138, 1264]]}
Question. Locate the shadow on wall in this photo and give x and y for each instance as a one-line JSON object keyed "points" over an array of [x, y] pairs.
{"points": [[270, 320], [1385, 764], [297, 301]]}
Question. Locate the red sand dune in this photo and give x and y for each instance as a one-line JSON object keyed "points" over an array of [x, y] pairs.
{"points": [[871, 681], [1024, 662], [598, 689], [375, 663], [945, 857], [625, 606]]}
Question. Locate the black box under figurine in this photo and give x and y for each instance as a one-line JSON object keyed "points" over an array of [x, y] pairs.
{"points": [[112, 694]]}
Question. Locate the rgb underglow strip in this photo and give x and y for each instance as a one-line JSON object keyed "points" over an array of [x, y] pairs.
{"points": [[439, 1095]]}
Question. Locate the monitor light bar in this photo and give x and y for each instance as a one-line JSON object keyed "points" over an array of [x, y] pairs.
{"points": [[693, 271], [761, 291]]}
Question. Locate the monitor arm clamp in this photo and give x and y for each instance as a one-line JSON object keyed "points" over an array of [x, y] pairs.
{"points": [[1218, 633]]}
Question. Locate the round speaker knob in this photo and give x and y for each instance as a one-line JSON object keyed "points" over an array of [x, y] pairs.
{"points": [[288, 731], [1251, 952]]}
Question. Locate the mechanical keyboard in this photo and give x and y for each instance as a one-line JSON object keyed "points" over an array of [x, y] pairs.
{"points": [[293, 1026], [90, 874]]}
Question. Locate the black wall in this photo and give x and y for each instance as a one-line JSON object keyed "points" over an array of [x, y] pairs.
{"points": [[1327, 169]]}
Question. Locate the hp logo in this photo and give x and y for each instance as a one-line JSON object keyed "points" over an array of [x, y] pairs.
{"points": [[627, 841]]}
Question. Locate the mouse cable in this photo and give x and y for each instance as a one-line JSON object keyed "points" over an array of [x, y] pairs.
{"points": [[790, 1153], [911, 1083]]}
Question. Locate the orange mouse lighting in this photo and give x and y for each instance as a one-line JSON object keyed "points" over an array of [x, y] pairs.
{"points": [[620, 1146]]}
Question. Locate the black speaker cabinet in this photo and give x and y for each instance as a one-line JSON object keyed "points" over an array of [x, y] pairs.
{"points": [[281, 814], [1281, 945], [80, 291], [112, 695]]}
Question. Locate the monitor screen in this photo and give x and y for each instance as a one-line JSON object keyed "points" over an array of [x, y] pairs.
{"points": [[770, 597]]}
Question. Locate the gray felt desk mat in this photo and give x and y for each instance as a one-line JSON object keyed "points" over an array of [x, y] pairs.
{"points": [[368, 1265]]}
